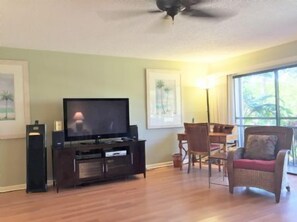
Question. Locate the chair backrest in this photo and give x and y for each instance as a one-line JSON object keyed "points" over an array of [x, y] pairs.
{"points": [[197, 136], [222, 128], [284, 135]]}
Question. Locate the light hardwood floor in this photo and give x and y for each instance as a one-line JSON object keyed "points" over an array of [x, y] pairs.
{"points": [[167, 194]]}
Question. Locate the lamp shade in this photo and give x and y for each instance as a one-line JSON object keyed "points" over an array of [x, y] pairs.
{"points": [[78, 116], [207, 83]]}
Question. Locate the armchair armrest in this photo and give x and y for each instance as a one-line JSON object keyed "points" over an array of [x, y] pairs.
{"points": [[281, 162], [280, 172], [281, 159], [233, 155]]}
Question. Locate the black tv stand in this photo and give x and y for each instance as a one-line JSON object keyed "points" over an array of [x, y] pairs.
{"points": [[81, 163], [127, 139]]}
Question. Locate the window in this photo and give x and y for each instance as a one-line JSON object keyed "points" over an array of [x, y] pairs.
{"points": [[266, 98]]}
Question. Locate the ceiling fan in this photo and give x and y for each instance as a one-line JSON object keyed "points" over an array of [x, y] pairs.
{"points": [[185, 7]]}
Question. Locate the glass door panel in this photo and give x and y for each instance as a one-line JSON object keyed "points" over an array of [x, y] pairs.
{"points": [[288, 108]]}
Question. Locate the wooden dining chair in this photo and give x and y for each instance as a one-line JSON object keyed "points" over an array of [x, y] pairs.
{"points": [[222, 128], [198, 142]]}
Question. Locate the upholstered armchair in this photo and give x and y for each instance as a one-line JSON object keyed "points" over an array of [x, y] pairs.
{"points": [[262, 162]]}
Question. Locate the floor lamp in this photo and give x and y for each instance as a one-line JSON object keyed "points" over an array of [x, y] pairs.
{"points": [[207, 105], [206, 84]]}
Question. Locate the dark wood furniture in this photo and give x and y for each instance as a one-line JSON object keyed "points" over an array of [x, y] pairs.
{"points": [[84, 163]]}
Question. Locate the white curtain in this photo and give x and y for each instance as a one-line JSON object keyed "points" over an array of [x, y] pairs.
{"points": [[217, 104], [230, 100], [219, 101]]}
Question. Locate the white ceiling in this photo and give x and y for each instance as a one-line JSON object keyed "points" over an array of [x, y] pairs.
{"points": [[126, 28]]}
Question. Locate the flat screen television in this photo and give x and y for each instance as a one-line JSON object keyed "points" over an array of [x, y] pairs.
{"points": [[95, 118]]}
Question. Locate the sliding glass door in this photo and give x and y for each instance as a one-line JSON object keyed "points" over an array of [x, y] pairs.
{"points": [[267, 98], [287, 79]]}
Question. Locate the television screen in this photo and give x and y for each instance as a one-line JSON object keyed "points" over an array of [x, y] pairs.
{"points": [[95, 118]]}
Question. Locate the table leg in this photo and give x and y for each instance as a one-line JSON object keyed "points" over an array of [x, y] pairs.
{"points": [[181, 149]]}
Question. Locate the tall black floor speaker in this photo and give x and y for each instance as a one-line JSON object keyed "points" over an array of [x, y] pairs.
{"points": [[36, 158]]}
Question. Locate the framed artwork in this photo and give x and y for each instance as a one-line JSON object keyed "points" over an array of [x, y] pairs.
{"points": [[14, 99], [163, 92]]}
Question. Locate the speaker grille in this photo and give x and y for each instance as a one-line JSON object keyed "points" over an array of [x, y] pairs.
{"points": [[58, 139], [36, 164], [134, 132]]}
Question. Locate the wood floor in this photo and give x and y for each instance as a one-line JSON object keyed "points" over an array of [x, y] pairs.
{"points": [[167, 194]]}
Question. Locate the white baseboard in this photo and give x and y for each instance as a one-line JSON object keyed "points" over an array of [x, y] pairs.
{"points": [[19, 187], [50, 182], [12, 188], [158, 165]]}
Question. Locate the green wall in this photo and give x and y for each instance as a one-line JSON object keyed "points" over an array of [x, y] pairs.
{"points": [[55, 75], [281, 55]]}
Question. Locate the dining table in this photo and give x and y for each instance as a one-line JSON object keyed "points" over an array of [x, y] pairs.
{"points": [[214, 137]]}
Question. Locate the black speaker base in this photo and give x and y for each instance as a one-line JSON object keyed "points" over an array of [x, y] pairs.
{"points": [[29, 190]]}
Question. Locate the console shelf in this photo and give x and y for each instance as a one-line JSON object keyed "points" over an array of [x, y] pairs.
{"points": [[83, 163]]}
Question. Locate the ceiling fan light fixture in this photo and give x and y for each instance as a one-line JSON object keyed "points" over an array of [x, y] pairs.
{"points": [[185, 7], [173, 11]]}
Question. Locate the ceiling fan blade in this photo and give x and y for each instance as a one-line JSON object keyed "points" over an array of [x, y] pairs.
{"points": [[189, 3], [212, 14], [155, 11], [200, 13], [117, 14]]}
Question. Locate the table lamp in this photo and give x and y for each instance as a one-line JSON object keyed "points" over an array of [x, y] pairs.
{"points": [[79, 117]]}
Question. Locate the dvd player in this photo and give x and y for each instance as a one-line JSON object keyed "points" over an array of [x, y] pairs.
{"points": [[116, 153], [88, 156]]}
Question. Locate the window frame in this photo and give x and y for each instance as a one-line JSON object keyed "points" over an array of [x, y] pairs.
{"points": [[237, 98]]}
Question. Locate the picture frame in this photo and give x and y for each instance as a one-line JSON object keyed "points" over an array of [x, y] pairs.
{"points": [[14, 99], [163, 96]]}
